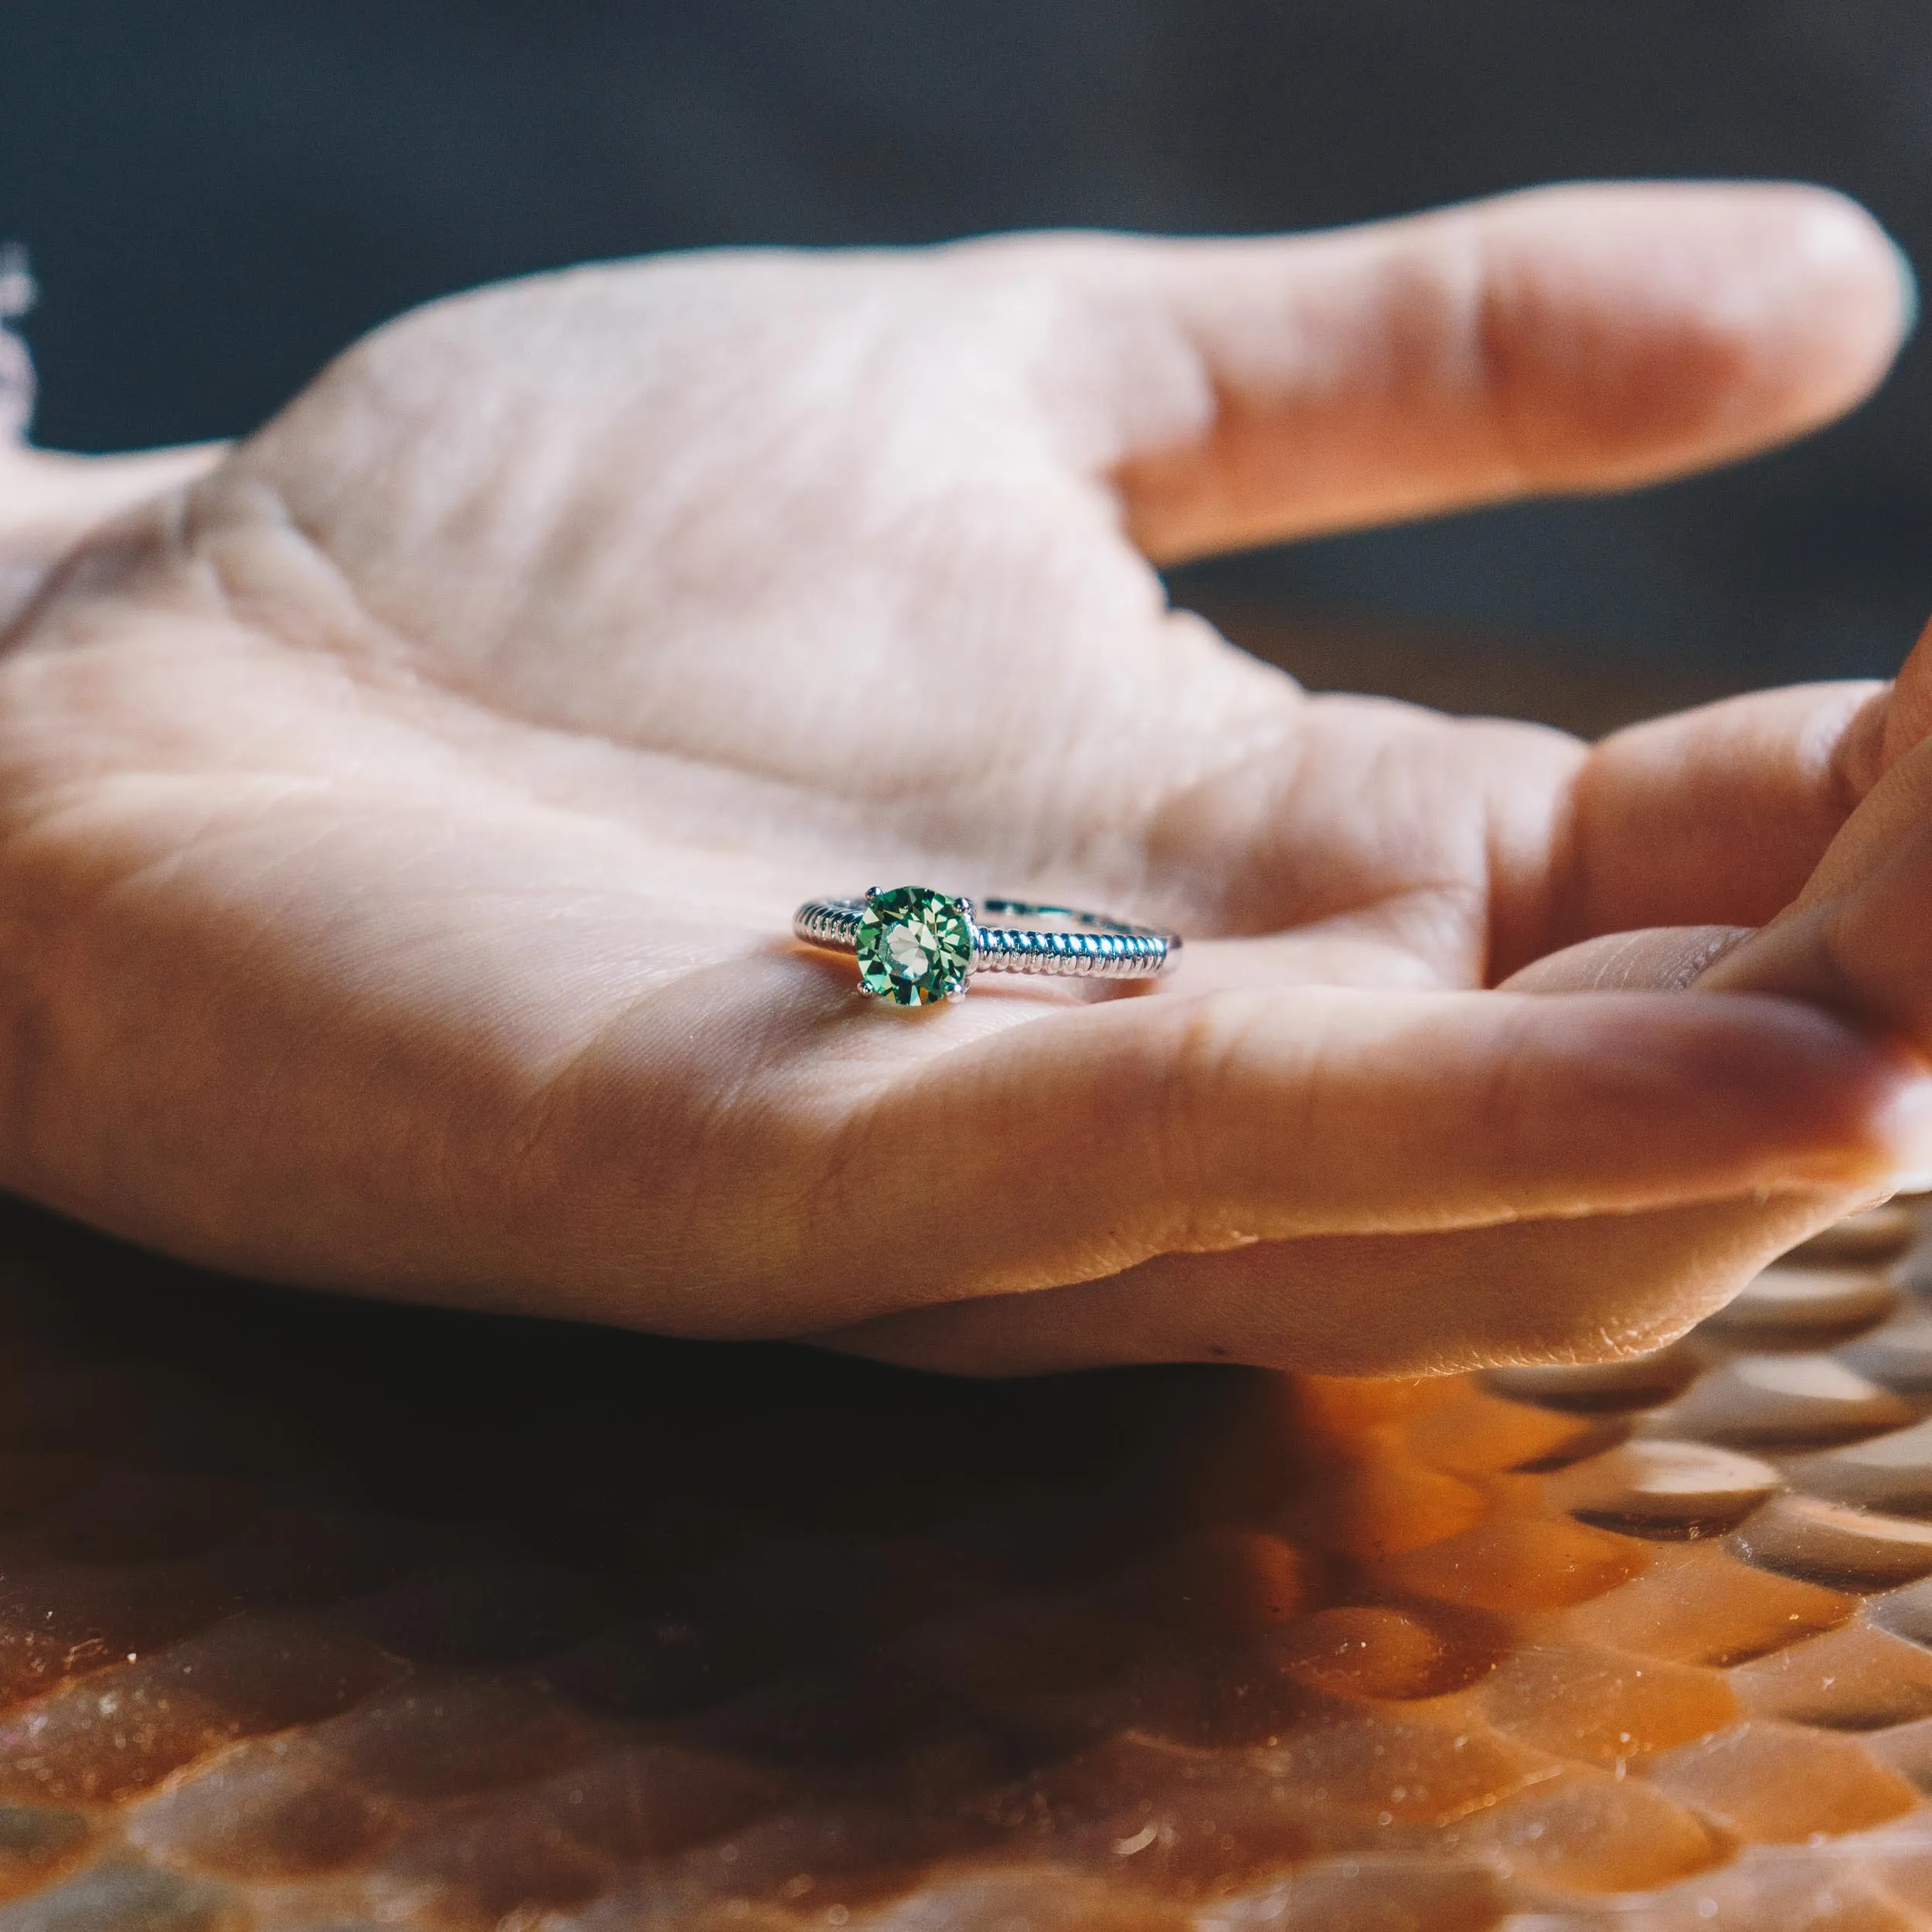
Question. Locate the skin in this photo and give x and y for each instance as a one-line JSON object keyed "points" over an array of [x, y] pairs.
{"points": [[401, 814]]}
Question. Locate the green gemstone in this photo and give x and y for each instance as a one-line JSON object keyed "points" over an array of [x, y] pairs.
{"points": [[914, 946]]}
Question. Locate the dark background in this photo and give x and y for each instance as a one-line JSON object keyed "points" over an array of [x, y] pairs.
{"points": [[219, 193]]}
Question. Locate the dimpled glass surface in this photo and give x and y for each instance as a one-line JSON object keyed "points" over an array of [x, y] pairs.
{"points": [[322, 1616]]}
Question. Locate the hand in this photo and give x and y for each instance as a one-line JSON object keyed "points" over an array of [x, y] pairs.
{"points": [[399, 826]]}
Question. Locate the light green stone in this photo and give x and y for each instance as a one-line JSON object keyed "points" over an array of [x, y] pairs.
{"points": [[914, 946]]}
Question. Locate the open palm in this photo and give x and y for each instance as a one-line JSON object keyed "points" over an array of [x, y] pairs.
{"points": [[399, 825]]}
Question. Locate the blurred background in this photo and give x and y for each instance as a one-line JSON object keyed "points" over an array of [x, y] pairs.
{"points": [[218, 194]]}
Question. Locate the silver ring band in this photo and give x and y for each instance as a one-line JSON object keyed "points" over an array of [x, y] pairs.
{"points": [[1084, 946]]}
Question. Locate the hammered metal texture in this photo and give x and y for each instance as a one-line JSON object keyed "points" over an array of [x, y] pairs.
{"points": [[321, 1616]]}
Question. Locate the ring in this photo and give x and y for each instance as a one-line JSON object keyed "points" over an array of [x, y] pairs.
{"points": [[916, 946]]}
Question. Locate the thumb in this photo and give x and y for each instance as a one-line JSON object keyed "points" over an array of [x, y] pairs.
{"points": [[1570, 338]]}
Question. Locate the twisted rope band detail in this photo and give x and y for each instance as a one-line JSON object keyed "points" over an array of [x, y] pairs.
{"points": [[1092, 946]]}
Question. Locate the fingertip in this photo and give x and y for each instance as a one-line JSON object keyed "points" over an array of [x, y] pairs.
{"points": [[1855, 296], [1845, 1105], [1750, 1092], [1827, 304], [1704, 322]]}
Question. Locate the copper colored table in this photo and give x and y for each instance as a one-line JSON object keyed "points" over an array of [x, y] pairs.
{"points": [[320, 1615]]}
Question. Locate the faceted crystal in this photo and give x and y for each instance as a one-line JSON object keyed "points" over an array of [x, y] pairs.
{"points": [[914, 946]]}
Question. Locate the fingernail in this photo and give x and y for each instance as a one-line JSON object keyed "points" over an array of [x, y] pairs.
{"points": [[1918, 1181]]}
